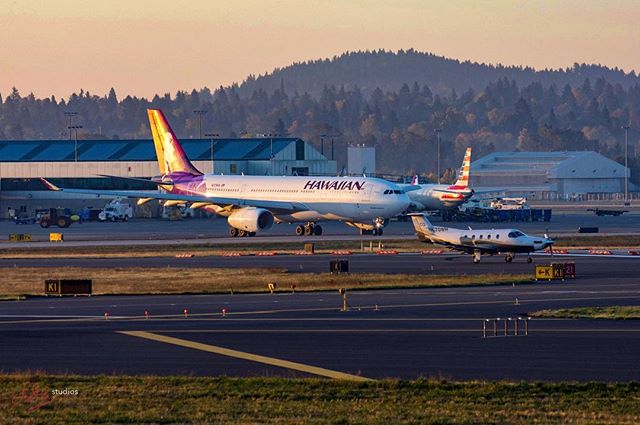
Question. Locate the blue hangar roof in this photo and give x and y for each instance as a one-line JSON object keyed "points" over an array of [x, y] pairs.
{"points": [[138, 150]]}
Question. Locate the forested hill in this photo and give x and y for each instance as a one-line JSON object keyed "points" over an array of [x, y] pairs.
{"points": [[389, 70], [585, 112]]}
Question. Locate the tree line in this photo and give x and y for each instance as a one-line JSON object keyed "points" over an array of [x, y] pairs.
{"points": [[401, 124]]}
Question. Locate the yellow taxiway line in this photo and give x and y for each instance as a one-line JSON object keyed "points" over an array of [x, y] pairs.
{"points": [[246, 356]]}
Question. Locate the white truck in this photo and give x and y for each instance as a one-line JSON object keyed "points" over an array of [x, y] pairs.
{"points": [[116, 210]]}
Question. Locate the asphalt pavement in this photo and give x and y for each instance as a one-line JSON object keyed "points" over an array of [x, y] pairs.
{"points": [[403, 333]]}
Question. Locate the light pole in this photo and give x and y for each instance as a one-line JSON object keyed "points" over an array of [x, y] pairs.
{"points": [[626, 163], [200, 113], [75, 144], [211, 136], [438, 131], [70, 115], [333, 139]]}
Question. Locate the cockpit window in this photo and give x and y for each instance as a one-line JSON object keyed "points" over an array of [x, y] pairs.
{"points": [[515, 234]]}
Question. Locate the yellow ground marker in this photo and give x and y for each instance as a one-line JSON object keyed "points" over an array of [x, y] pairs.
{"points": [[246, 356]]}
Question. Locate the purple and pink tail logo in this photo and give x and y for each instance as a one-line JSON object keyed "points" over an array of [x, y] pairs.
{"points": [[171, 156]]}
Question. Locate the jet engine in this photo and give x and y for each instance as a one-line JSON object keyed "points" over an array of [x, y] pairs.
{"points": [[251, 219]]}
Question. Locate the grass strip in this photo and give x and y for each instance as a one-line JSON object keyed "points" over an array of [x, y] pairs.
{"points": [[140, 280], [615, 312], [27, 399], [164, 249]]}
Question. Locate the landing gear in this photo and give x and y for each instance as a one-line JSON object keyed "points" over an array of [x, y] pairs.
{"points": [[509, 257], [308, 229], [240, 233], [476, 257]]}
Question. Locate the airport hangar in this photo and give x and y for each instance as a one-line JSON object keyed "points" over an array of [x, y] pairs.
{"points": [[68, 164], [569, 176]]}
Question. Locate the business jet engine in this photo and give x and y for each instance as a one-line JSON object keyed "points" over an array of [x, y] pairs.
{"points": [[251, 219]]}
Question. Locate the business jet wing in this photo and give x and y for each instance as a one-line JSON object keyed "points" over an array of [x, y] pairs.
{"points": [[276, 207], [484, 246]]}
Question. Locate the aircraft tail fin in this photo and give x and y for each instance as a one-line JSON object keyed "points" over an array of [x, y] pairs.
{"points": [[421, 223], [171, 156], [463, 176]]}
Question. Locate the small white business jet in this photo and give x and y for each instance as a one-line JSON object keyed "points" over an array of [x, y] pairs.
{"points": [[480, 241]]}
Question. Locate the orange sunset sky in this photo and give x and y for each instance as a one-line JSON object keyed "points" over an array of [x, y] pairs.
{"points": [[143, 47]]}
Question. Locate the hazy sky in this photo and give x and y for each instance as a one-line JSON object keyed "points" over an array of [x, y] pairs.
{"points": [[143, 47]]}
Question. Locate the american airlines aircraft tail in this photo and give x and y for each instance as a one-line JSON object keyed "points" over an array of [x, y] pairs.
{"points": [[171, 156], [463, 176]]}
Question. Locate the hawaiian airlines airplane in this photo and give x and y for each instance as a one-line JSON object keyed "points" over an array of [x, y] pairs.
{"points": [[480, 241], [431, 197], [253, 204]]}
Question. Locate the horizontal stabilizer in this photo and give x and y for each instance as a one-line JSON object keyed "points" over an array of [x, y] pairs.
{"points": [[49, 185], [134, 179]]}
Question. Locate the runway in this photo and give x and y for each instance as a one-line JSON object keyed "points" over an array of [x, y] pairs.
{"points": [[404, 333]]}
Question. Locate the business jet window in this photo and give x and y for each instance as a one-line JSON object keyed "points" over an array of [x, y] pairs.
{"points": [[488, 236], [480, 236], [473, 236], [497, 236]]}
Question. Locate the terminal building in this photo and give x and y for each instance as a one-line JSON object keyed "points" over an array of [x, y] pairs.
{"points": [[579, 175], [80, 165]]}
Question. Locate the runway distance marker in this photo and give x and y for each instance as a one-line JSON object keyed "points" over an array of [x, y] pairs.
{"points": [[246, 356]]}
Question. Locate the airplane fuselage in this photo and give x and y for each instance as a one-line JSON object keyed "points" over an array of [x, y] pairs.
{"points": [[350, 199], [430, 199]]}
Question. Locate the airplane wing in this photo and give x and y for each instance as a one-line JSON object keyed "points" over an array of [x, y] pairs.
{"points": [[277, 207], [471, 245], [410, 188]]}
